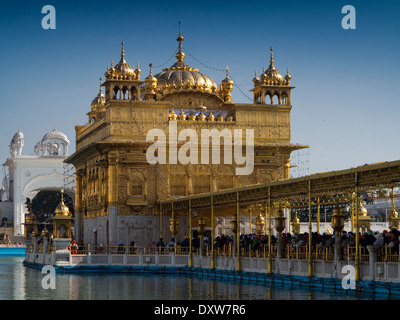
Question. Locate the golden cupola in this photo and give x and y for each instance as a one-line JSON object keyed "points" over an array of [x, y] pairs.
{"points": [[150, 84], [122, 71], [97, 107], [226, 87], [272, 76], [62, 209], [62, 220], [99, 101], [182, 77], [271, 88]]}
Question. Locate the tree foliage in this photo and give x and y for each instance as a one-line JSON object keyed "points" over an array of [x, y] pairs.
{"points": [[45, 203]]}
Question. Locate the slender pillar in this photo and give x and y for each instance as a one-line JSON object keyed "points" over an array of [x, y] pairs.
{"points": [[269, 233], [357, 255], [238, 261], [250, 216], [161, 217], [190, 235], [212, 233], [173, 221], [310, 257], [318, 217], [352, 213]]}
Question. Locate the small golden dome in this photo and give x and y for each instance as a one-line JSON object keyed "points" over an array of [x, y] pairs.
{"points": [[211, 116], [99, 101], [122, 70], [394, 214], [192, 116], [296, 219], [288, 77], [271, 75], [172, 115], [256, 79], [150, 82], [201, 116], [182, 115], [220, 117], [227, 80], [137, 71], [327, 231], [62, 209], [361, 210], [260, 219], [229, 118]]}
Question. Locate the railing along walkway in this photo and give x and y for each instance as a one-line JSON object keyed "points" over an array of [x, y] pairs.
{"points": [[385, 253]]}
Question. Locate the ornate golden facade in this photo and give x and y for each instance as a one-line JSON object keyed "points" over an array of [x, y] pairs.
{"points": [[118, 191]]}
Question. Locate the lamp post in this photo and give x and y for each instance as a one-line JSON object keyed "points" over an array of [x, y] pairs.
{"points": [[190, 235], [357, 255], [238, 260], [174, 223], [394, 217], [269, 232], [234, 226], [201, 229], [279, 226], [337, 226], [174, 226], [260, 223], [310, 257]]}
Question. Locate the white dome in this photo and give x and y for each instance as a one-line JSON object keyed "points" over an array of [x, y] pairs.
{"points": [[18, 135], [55, 134], [53, 143]]}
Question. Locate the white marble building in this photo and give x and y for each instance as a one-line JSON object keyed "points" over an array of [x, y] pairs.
{"points": [[28, 174]]}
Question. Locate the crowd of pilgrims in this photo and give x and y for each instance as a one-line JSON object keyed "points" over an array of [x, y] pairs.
{"points": [[319, 241], [255, 242]]}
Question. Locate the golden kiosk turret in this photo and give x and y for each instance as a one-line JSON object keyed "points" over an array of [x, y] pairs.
{"points": [[62, 221], [364, 221], [30, 224]]}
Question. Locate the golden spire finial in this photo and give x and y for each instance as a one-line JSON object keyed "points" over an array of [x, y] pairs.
{"points": [[272, 57], [100, 85], [227, 72], [151, 69], [180, 55], [122, 53]]}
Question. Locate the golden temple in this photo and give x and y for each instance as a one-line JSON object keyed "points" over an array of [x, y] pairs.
{"points": [[118, 192]]}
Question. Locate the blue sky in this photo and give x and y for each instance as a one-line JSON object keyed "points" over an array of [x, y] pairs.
{"points": [[346, 100]]}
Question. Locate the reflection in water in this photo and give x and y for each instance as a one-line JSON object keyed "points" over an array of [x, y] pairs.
{"points": [[18, 282]]}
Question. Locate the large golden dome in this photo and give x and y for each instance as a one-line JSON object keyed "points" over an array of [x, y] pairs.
{"points": [[182, 76]]}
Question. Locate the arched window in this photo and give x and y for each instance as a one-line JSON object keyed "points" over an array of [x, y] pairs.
{"points": [[125, 93], [116, 92], [133, 93]]}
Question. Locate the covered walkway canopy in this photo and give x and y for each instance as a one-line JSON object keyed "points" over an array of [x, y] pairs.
{"points": [[297, 190]]}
